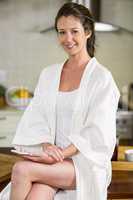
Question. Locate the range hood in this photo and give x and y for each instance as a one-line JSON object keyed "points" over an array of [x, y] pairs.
{"points": [[94, 6]]}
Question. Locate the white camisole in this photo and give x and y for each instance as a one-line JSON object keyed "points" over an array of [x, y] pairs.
{"points": [[65, 106]]}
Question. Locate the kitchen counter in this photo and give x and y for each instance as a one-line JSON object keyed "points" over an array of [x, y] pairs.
{"points": [[121, 186], [121, 164]]}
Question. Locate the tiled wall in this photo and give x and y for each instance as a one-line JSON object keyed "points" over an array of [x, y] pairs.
{"points": [[24, 52]]}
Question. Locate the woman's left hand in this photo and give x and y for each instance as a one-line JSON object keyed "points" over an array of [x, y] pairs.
{"points": [[51, 155], [42, 158]]}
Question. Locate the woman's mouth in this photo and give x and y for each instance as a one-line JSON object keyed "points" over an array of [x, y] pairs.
{"points": [[69, 46]]}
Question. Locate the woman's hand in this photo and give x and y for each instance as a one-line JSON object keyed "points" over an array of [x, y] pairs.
{"points": [[53, 151], [42, 158], [51, 155]]}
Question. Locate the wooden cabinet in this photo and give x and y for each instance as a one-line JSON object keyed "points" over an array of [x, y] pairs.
{"points": [[9, 119]]}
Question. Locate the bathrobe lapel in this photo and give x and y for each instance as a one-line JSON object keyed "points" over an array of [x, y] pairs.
{"points": [[53, 98], [78, 111]]}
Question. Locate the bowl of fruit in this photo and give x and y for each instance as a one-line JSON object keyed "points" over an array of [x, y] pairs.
{"points": [[18, 97]]}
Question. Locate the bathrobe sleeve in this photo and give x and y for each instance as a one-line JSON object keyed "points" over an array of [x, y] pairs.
{"points": [[33, 127], [97, 137]]}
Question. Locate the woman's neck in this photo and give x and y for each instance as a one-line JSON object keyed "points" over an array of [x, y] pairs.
{"points": [[77, 61]]}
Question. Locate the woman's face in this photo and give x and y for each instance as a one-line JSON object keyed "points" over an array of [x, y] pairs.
{"points": [[72, 36]]}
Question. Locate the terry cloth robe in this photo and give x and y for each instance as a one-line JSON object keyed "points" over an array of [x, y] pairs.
{"points": [[93, 129]]}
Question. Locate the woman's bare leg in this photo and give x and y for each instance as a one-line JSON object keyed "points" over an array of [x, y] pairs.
{"points": [[59, 175], [41, 191], [20, 182]]}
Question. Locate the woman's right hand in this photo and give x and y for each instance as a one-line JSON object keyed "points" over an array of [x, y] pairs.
{"points": [[51, 154], [53, 151]]}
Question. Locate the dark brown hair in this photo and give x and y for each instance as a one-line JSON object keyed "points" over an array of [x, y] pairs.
{"points": [[83, 14]]}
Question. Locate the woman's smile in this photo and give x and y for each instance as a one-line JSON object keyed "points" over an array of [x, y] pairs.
{"points": [[69, 46]]}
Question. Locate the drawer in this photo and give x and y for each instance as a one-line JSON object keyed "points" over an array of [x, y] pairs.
{"points": [[7, 141], [9, 123]]}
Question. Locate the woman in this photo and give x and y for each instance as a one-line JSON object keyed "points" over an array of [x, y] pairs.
{"points": [[72, 118]]}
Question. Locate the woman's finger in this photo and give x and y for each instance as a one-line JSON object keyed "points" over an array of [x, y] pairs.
{"points": [[55, 153], [52, 154], [59, 153]]}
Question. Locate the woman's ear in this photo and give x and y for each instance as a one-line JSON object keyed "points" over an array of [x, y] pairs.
{"points": [[88, 34]]}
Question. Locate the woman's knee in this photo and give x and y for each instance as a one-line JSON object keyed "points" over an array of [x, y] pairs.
{"points": [[19, 171]]}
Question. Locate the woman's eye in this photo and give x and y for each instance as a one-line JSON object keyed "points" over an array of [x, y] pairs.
{"points": [[61, 32], [74, 31]]}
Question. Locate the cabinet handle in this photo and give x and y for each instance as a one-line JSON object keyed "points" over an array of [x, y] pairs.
{"points": [[2, 137], [2, 118]]}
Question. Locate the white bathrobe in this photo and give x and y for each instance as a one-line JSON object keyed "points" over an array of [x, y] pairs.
{"points": [[93, 129]]}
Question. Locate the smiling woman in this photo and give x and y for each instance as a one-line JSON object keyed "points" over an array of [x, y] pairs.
{"points": [[81, 24], [72, 36], [72, 118]]}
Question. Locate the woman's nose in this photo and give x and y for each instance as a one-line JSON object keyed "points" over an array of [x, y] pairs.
{"points": [[68, 37]]}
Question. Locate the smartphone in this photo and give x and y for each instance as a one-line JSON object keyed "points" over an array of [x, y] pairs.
{"points": [[20, 152]]}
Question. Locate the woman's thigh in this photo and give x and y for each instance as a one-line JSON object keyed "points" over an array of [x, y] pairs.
{"points": [[41, 191], [60, 175]]}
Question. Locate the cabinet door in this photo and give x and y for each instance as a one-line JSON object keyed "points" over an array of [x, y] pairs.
{"points": [[8, 124]]}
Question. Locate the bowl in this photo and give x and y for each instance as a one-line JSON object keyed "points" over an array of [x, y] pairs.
{"points": [[18, 97], [129, 155]]}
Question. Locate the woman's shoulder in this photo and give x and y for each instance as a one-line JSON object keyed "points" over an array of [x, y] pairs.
{"points": [[101, 72], [51, 69], [104, 78]]}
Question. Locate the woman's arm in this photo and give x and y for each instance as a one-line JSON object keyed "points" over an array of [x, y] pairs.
{"points": [[70, 151], [55, 151], [53, 154]]}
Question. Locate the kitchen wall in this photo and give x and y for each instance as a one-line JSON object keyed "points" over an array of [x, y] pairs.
{"points": [[116, 49], [24, 52]]}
